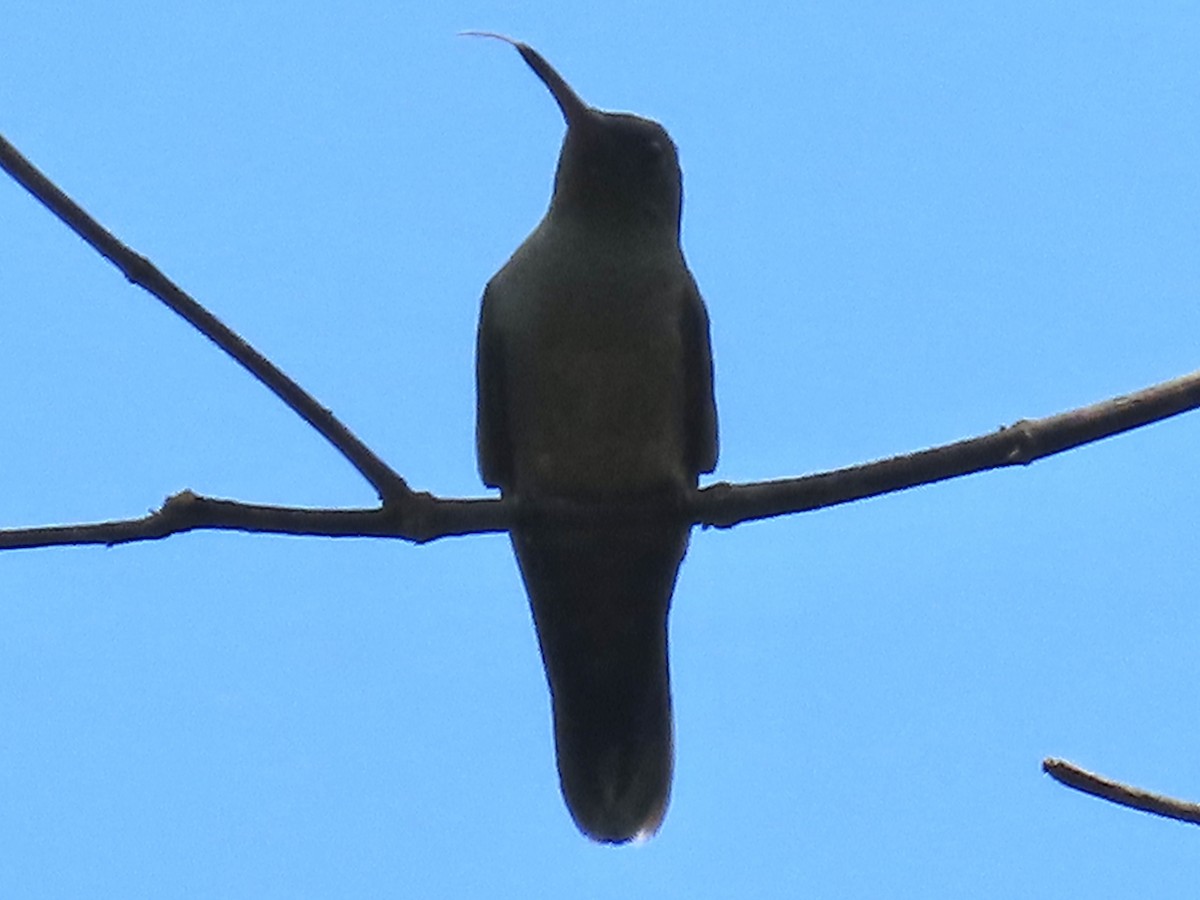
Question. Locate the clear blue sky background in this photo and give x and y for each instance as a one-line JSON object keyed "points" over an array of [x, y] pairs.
{"points": [[912, 223]]}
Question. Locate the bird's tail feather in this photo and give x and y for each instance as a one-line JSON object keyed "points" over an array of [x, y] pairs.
{"points": [[600, 600]]}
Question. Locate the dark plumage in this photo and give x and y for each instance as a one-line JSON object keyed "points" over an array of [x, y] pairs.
{"points": [[594, 377]]}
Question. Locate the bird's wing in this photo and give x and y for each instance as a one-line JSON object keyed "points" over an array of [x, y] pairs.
{"points": [[492, 446], [700, 414]]}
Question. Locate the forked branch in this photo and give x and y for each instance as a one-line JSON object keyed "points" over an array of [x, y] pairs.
{"points": [[145, 274], [421, 517]]}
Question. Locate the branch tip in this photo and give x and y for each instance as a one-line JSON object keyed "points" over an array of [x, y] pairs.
{"points": [[1072, 776]]}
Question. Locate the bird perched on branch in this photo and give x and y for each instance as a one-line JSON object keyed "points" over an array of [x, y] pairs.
{"points": [[595, 390]]}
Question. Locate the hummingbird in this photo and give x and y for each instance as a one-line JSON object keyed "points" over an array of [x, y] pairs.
{"points": [[594, 383]]}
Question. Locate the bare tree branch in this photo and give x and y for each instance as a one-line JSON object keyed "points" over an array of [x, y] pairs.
{"points": [[142, 272], [1114, 791], [421, 517], [1019, 444]]}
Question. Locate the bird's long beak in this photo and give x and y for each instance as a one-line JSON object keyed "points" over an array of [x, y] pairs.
{"points": [[573, 109]]}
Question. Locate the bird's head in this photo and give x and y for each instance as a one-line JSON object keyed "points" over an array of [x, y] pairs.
{"points": [[614, 167]]}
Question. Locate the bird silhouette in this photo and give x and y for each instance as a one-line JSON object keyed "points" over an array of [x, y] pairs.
{"points": [[595, 390]]}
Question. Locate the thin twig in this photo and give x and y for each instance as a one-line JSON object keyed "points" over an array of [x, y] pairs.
{"points": [[1114, 791], [142, 272], [1020, 444], [422, 519]]}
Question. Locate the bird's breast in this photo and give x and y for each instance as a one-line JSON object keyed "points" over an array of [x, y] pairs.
{"points": [[594, 369]]}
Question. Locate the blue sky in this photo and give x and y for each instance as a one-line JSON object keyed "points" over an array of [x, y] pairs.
{"points": [[911, 223]]}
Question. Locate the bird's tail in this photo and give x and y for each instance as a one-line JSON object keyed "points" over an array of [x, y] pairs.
{"points": [[600, 600]]}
